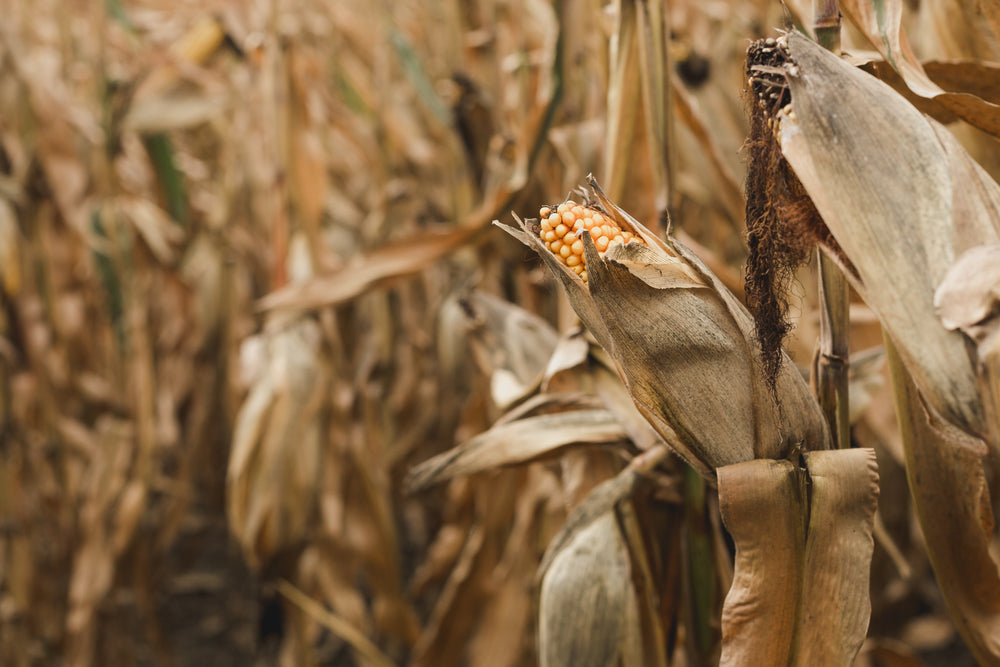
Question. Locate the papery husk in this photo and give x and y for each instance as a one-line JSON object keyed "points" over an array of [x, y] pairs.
{"points": [[902, 199], [803, 551], [588, 612], [945, 470], [685, 348], [272, 481]]}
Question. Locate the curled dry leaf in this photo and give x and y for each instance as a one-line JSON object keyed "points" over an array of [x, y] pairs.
{"points": [[684, 346], [513, 345], [518, 442], [803, 550], [968, 300], [969, 296], [911, 201], [881, 23]]}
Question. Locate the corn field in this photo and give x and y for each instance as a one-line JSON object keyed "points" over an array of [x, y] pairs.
{"points": [[499, 333]]}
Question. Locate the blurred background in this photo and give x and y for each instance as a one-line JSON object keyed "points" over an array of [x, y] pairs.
{"points": [[250, 279]]}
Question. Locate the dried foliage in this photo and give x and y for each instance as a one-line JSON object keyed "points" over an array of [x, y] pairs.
{"points": [[274, 390]]}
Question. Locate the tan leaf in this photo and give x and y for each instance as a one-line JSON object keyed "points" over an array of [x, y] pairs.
{"points": [[518, 442], [761, 506], [881, 23], [843, 497], [381, 267], [968, 295], [513, 345], [803, 552]]}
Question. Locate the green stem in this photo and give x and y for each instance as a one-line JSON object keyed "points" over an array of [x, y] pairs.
{"points": [[834, 295], [833, 360], [826, 24]]}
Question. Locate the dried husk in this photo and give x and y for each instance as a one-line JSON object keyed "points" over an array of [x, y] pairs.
{"points": [[274, 466], [945, 470], [588, 613], [910, 202], [686, 350], [803, 551]]}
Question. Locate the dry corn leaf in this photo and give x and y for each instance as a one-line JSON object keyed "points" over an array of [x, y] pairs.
{"points": [[945, 469], [728, 188], [380, 268], [761, 506], [588, 613], [368, 651], [519, 442], [990, 11], [881, 22], [502, 638], [953, 29], [636, 158], [909, 201], [803, 552], [685, 347], [843, 497], [514, 346]]}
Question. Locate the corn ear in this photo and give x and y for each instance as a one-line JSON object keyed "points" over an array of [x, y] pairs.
{"points": [[589, 576], [685, 348], [911, 201]]}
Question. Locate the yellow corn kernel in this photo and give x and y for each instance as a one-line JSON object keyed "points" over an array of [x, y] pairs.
{"points": [[562, 226]]}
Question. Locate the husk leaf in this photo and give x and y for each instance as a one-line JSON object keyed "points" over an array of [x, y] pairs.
{"points": [[588, 610], [518, 441], [910, 201], [945, 470]]}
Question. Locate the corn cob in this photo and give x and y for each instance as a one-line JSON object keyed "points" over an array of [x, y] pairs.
{"points": [[561, 232]]}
